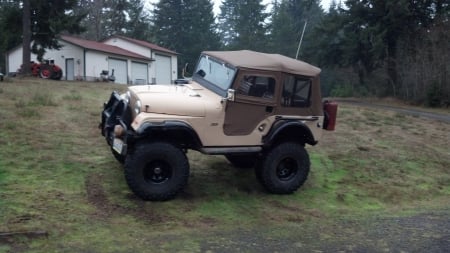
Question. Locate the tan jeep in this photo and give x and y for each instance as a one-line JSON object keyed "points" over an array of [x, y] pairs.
{"points": [[257, 109]]}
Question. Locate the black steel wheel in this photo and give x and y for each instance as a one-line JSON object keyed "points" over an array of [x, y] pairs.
{"points": [[284, 168], [156, 171]]}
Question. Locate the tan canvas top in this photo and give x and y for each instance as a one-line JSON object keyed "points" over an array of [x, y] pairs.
{"points": [[264, 61]]}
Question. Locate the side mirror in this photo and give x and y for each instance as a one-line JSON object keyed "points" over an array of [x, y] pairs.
{"points": [[230, 95]]}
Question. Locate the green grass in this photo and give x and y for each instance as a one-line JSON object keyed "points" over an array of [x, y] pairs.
{"points": [[57, 175]]}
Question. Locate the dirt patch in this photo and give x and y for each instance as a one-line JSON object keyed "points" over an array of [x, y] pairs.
{"points": [[105, 209]]}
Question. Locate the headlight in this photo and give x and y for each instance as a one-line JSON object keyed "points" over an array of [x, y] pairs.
{"points": [[137, 107], [126, 96]]}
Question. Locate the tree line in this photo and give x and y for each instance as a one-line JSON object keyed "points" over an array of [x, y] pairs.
{"points": [[364, 47]]}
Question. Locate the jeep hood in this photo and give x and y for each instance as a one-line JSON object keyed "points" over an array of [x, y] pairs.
{"points": [[183, 100]]}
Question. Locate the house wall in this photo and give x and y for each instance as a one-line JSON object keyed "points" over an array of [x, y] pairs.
{"points": [[68, 51], [138, 49], [15, 59], [148, 53], [59, 56]]}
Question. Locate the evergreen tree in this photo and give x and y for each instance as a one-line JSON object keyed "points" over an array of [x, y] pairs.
{"points": [[105, 18], [10, 24], [185, 26], [50, 18], [288, 21], [138, 23], [47, 20], [94, 18], [242, 24]]}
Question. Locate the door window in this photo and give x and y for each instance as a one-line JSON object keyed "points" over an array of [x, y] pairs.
{"points": [[257, 86]]}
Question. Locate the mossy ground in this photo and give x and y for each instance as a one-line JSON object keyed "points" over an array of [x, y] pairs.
{"points": [[58, 177]]}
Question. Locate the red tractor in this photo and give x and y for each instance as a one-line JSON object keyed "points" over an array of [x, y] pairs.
{"points": [[47, 69]]}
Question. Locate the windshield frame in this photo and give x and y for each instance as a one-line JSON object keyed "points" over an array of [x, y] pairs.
{"points": [[199, 77]]}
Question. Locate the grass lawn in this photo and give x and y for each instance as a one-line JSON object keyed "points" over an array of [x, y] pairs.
{"points": [[61, 190]]}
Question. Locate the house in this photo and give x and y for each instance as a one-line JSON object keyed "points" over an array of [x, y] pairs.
{"points": [[131, 61], [164, 68]]}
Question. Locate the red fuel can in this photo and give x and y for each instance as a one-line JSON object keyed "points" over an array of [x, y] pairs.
{"points": [[330, 112]]}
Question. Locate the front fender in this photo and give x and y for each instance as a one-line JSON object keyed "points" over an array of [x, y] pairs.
{"points": [[177, 132]]}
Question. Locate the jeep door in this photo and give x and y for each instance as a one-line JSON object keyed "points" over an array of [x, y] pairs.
{"points": [[256, 94]]}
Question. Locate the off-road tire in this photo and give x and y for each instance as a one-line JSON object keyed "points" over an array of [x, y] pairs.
{"points": [[245, 161], [156, 171], [284, 168]]}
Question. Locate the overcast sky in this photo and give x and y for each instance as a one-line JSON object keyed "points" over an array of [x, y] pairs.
{"points": [[325, 4]]}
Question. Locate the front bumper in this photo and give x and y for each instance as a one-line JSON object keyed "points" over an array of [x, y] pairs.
{"points": [[116, 113]]}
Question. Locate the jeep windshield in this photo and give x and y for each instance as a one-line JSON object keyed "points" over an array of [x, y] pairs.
{"points": [[214, 74]]}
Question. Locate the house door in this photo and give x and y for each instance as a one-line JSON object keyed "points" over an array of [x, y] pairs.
{"points": [[70, 69]]}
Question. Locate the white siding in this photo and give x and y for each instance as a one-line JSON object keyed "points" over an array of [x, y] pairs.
{"points": [[15, 60], [59, 56], [138, 49]]}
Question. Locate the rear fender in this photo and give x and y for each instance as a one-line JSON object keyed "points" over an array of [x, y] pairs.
{"points": [[289, 130]]}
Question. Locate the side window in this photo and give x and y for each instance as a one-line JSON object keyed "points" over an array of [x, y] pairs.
{"points": [[296, 91], [257, 86]]}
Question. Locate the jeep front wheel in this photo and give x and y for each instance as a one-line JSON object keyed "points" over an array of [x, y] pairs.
{"points": [[156, 171], [284, 168]]}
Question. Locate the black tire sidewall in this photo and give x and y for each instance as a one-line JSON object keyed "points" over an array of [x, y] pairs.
{"points": [[143, 154], [266, 172]]}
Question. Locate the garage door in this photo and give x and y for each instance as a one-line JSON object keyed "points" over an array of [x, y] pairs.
{"points": [[163, 69], [139, 73], [120, 70]]}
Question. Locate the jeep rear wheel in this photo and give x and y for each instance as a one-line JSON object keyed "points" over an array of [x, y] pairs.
{"points": [[242, 161], [284, 168], [156, 171]]}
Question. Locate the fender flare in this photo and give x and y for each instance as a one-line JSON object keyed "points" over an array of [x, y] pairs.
{"points": [[178, 132], [293, 130]]}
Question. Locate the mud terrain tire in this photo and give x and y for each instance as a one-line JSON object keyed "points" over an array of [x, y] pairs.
{"points": [[242, 161], [156, 171], [284, 168]]}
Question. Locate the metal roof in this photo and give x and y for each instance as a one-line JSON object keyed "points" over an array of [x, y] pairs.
{"points": [[98, 46], [145, 44]]}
